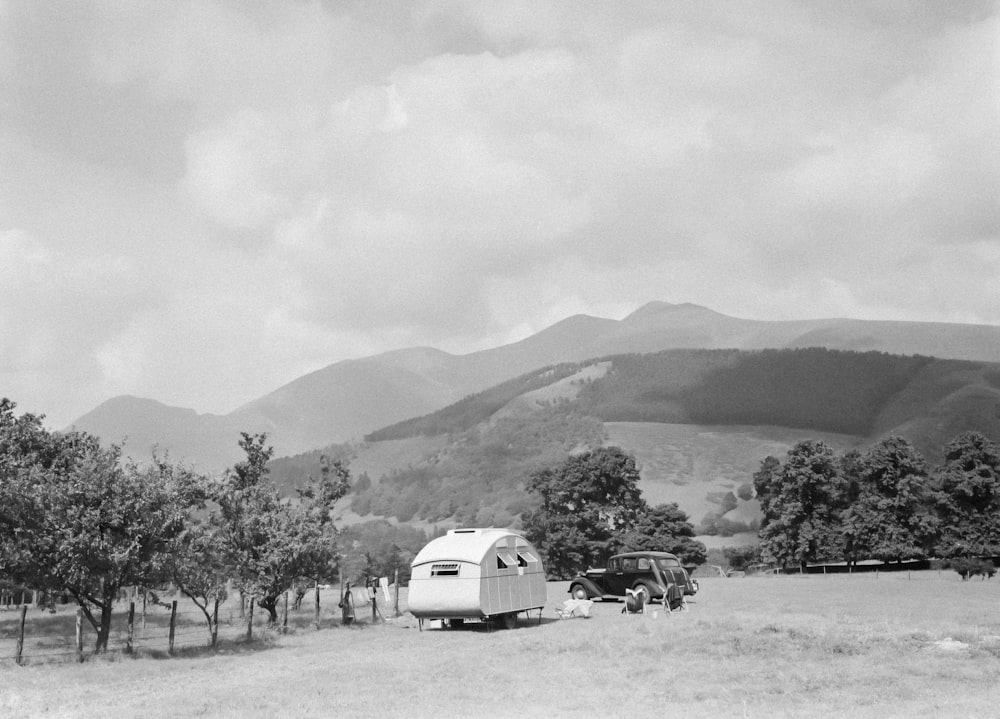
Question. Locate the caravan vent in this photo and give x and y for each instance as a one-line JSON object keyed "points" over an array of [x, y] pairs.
{"points": [[444, 570]]}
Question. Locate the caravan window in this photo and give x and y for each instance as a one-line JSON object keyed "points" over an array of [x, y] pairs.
{"points": [[505, 560], [524, 555], [444, 570]]}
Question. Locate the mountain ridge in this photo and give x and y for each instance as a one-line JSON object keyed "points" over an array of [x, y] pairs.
{"points": [[350, 398]]}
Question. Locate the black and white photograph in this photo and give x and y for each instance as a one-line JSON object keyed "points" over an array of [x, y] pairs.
{"points": [[500, 358]]}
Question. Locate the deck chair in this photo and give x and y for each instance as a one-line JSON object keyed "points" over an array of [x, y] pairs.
{"points": [[635, 601], [575, 608], [673, 600]]}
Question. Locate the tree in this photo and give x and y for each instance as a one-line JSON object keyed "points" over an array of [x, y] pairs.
{"points": [[968, 497], [200, 568], [664, 528], [801, 502], [271, 541], [586, 501], [891, 517], [76, 520]]}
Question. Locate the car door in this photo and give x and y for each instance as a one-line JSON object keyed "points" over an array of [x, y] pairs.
{"points": [[614, 577], [627, 576]]}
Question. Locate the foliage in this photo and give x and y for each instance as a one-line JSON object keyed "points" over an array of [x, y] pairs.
{"points": [[201, 570], [890, 516], [801, 502], [75, 519], [587, 502], [273, 542], [739, 558], [812, 388], [663, 528], [968, 567], [968, 491], [480, 479], [378, 549]]}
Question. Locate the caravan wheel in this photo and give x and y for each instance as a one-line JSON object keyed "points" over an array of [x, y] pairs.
{"points": [[509, 620]]}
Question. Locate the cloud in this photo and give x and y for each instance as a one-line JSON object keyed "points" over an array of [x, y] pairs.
{"points": [[57, 312], [213, 197]]}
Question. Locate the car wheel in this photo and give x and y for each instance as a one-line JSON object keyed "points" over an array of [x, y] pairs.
{"points": [[648, 591], [578, 592]]}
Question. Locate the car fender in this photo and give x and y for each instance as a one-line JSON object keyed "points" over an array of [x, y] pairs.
{"points": [[592, 589], [659, 590]]}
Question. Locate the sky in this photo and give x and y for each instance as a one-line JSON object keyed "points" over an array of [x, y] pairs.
{"points": [[201, 201]]}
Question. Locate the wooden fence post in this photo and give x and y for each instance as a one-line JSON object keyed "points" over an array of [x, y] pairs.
{"points": [[79, 635], [316, 615], [284, 616], [20, 634], [250, 620], [173, 623], [215, 622], [131, 627]]}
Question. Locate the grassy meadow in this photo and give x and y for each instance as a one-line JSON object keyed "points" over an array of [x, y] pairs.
{"points": [[815, 646]]}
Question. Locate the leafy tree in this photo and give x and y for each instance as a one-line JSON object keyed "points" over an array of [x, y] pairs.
{"points": [[76, 520], [739, 558], [801, 502], [272, 542], [891, 517], [201, 570], [664, 528], [968, 491], [586, 502]]}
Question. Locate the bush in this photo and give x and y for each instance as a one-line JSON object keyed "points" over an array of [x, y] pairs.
{"points": [[972, 566]]}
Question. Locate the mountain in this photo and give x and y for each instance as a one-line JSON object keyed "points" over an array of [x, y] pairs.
{"points": [[351, 398], [698, 422]]}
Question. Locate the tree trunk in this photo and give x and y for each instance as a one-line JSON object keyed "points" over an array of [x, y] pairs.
{"points": [[271, 605], [104, 630], [215, 623]]}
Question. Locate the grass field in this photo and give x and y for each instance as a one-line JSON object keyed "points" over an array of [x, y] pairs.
{"points": [[813, 646]]}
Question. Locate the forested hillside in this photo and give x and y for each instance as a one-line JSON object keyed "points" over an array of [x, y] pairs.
{"points": [[474, 469], [811, 388]]}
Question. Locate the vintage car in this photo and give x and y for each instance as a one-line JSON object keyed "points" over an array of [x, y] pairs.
{"points": [[653, 573]]}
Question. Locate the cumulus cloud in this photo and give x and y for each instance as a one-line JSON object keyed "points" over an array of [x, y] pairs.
{"points": [[231, 190]]}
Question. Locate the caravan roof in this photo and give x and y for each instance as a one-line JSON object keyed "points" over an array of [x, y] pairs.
{"points": [[463, 545]]}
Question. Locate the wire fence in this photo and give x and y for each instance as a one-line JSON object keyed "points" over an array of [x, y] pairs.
{"points": [[31, 634]]}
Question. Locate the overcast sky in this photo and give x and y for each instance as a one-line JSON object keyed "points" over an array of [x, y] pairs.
{"points": [[201, 201]]}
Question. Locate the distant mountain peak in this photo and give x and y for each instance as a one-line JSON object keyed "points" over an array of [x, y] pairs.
{"points": [[659, 308]]}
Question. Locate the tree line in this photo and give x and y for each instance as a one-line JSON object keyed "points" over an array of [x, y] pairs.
{"points": [[76, 520], [884, 503]]}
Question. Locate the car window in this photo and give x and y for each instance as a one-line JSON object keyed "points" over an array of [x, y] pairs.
{"points": [[643, 563], [614, 565], [628, 564], [665, 562]]}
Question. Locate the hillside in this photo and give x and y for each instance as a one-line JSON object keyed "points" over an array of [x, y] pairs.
{"points": [[346, 400], [698, 421]]}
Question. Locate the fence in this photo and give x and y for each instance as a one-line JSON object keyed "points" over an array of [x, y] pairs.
{"points": [[39, 635]]}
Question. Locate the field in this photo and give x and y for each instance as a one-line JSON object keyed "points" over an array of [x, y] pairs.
{"points": [[902, 645]]}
